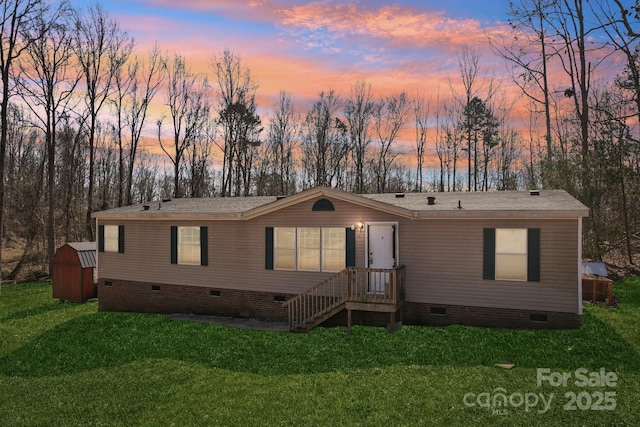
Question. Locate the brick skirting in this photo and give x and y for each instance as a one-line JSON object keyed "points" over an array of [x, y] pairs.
{"points": [[123, 295], [443, 315]]}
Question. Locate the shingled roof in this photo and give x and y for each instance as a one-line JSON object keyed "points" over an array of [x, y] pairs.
{"points": [[522, 204]]}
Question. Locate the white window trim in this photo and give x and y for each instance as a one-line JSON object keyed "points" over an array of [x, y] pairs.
{"points": [[297, 251], [109, 239], [181, 229], [322, 249], [319, 249], [275, 249], [525, 254]]}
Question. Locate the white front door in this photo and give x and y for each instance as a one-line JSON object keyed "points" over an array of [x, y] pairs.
{"points": [[382, 248]]}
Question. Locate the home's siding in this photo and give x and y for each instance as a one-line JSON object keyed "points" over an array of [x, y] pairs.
{"points": [[444, 265], [443, 258], [236, 250]]}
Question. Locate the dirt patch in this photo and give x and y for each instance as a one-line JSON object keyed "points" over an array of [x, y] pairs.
{"points": [[31, 268]]}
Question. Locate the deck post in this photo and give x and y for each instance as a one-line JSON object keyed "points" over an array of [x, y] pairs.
{"points": [[392, 319], [348, 322]]}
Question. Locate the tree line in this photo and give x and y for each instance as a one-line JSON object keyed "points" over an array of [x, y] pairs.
{"points": [[80, 132]]}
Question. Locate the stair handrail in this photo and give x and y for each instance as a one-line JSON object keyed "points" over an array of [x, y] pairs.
{"points": [[319, 299]]}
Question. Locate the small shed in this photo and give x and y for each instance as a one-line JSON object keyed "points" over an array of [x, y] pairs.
{"points": [[73, 272]]}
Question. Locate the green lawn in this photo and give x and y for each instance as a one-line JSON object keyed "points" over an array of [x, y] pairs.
{"points": [[68, 364]]}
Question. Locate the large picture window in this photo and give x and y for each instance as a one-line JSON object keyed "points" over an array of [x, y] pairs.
{"points": [[511, 254], [307, 248]]}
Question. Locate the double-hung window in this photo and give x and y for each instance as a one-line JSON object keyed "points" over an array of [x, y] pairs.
{"points": [[333, 249], [284, 241], [309, 249], [512, 254], [189, 245], [111, 238]]}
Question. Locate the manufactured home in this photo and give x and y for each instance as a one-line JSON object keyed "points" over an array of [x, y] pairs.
{"points": [[499, 259]]}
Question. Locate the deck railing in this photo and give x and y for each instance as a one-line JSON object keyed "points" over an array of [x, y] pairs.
{"points": [[376, 285], [353, 284]]}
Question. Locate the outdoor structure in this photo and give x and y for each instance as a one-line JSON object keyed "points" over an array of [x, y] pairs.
{"points": [[73, 272], [596, 286], [504, 259]]}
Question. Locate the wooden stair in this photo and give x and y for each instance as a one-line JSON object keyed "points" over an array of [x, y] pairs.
{"points": [[349, 289], [319, 303]]}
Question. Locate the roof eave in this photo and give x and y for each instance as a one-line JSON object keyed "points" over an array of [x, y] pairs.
{"points": [[326, 192], [504, 213]]}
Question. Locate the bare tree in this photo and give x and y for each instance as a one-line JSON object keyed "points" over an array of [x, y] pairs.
{"points": [[101, 49], [390, 115], [282, 140], [421, 111], [358, 113], [17, 17], [324, 143], [45, 82], [189, 111], [135, 88], [240, 124], [468, 63], [197, 156], [527, 54], [147, 76]]}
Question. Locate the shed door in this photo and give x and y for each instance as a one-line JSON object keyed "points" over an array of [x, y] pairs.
{"points": [[381, 240]]}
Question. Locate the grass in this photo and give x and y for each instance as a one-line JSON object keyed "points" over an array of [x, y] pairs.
{"points": [[68, 364]]}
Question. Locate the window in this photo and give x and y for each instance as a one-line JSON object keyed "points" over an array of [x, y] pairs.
{"points": [[333, 249], [511, 254], [189, 245], [111, 238], [284, 241], [309, 249]]}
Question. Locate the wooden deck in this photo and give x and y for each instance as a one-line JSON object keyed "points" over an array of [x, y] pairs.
{"points": [[364, 289]]}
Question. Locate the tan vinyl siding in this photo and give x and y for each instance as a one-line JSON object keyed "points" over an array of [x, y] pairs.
{"points": [[444, 265], [443, 257], [236, 250]]}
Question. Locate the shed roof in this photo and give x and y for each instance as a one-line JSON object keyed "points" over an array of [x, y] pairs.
{"points": [[520, 204], [86, 253]]}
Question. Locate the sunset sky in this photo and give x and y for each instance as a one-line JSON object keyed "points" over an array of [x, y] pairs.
{"points": [[304, 47]]}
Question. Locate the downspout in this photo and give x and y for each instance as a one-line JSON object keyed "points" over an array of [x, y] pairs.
{"points": [[97, 257]]}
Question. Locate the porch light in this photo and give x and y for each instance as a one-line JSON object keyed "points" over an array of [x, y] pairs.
{"points": [[359, 226]]}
